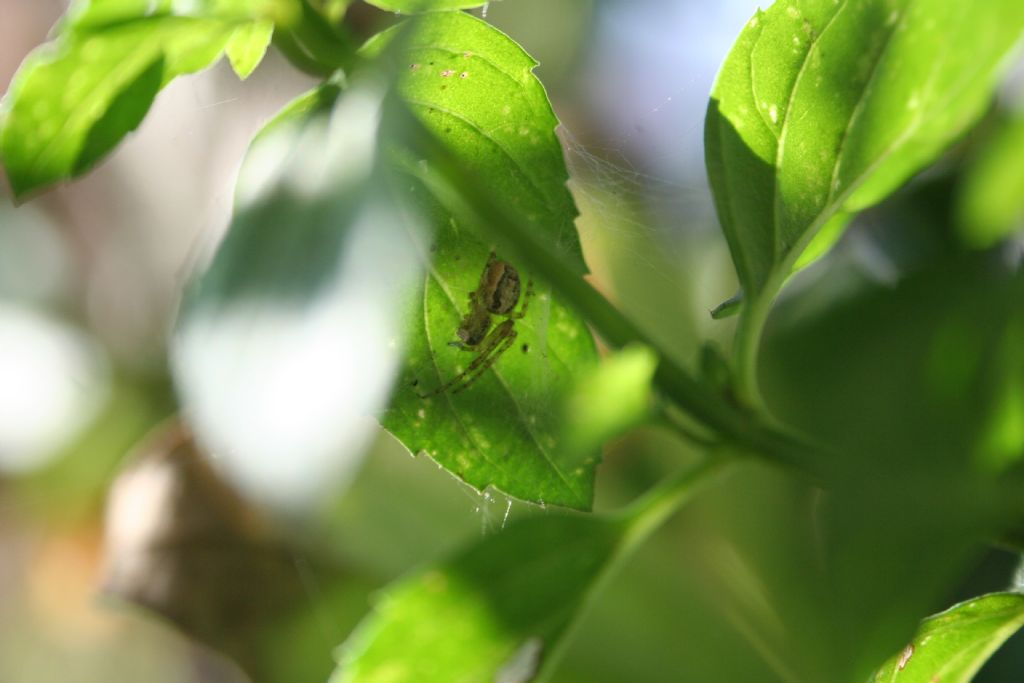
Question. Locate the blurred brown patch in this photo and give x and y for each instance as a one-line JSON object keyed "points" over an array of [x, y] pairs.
{"points": [[181, 543]]}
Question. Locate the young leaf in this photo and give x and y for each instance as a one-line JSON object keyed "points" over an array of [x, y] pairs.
{"points": [[953, 645], [248, 45], [474, 88], [825, 106], [417, 6], [71, 102]]}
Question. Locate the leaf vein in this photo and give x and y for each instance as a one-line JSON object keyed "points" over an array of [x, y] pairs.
{"points": [[783, 132], [486, 135], [861, 102]]}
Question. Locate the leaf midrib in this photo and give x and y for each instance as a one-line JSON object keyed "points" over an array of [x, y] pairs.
{"points": [[859, 107], [784, 131]]}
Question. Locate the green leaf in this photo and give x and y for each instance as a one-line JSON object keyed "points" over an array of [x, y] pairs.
{"points": [[991, 200], [248, 45], [86, 15], [953, 645], [825, 106], [494, 612], [824, 240], [417, 6], [474, 88], [500, 609], [319, 100], [72, 101]]}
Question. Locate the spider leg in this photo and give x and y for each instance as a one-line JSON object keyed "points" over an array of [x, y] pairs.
{"points": [[500, 348], [491, 348], [527, 295]]}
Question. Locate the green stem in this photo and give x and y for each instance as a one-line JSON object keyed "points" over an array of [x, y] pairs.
{"points": [[639, 520], [754, 313], [669, 420], [753, 316], [648, 512]]}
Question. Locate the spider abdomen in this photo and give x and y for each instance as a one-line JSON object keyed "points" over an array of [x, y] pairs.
{"points": [[500, 287]]}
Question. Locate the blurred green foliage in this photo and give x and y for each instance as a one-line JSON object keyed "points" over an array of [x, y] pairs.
{"points": [[897, 354]]}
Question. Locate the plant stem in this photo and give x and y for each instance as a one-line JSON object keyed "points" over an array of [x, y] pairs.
{"points": [[673, 423], [638, 521], [648, 512], [753, 316]]}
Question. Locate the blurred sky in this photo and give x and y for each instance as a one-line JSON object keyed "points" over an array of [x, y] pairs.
{"points": [[649, 71]]}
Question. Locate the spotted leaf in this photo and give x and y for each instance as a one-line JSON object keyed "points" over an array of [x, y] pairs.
{"points": [[474, 88]]}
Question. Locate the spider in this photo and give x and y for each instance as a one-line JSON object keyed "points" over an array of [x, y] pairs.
{"points": [[496, 295]]}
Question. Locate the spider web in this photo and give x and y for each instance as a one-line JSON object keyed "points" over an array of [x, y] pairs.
{"points": [[634, 220]]}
